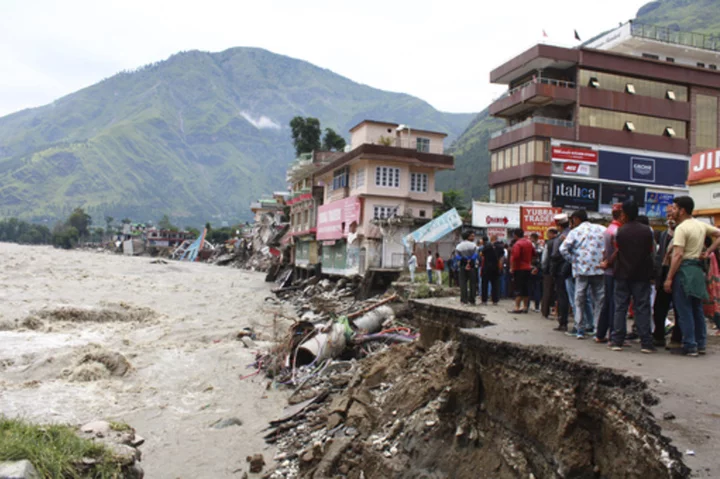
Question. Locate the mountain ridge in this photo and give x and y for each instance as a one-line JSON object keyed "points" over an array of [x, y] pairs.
{"points": [[198, 135]]}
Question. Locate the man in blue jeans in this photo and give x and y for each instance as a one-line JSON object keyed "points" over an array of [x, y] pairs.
{"points": [[686, 278], [607, 317], [633, 264]]}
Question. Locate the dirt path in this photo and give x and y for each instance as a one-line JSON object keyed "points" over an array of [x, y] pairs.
{"points": [[185, 361]]}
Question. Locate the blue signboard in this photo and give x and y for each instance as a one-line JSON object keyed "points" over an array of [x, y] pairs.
{"points": [[656, 204], [434, 230], [642, 169]]}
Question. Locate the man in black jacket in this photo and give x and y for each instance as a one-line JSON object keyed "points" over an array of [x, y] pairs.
{"points": [[559, 268], [548, 289], [661, 307], [492, 256]]}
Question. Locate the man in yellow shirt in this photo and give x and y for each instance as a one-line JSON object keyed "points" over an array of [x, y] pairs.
{"points": [[686, 278]]}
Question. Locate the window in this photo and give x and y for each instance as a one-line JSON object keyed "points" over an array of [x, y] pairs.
{"points": [[493, 162], [523, 153], [387, 176], [650, 56], [700, 65], [706, 122], [630, 88], [340, 178], [642, 87], [423, 145], [360, 178], [384, 212], [422, 213], [419, 182], [712, 67], [669, 59], [670, 95], [669, 132], [613, 120]]}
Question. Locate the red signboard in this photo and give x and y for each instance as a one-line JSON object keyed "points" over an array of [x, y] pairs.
{"points": [[537, 219], [563, 153], [335, 219], [576, 169], [704, 167]]}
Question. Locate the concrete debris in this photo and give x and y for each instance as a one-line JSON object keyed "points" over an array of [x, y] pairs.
{"points": [[18, 470], [257, 462], [119, 438]]}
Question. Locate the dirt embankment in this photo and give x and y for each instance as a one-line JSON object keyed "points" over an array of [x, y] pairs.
{"points": [[482, 409]]}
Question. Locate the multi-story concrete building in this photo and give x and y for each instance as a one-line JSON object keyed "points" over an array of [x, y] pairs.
{"points": [[306, 196], [617, 117], [376, 193]]}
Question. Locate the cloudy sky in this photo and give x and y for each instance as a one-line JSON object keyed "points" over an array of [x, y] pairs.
{"points": [[440, 51]]}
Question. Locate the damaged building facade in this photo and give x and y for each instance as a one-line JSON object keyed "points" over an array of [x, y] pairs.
{"points": [[375, 194]]}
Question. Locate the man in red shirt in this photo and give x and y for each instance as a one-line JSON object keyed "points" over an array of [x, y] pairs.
{"points": [[521, 258]]}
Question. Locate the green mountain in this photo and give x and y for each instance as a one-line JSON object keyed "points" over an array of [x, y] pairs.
{"points": [[197, 136], [472, 159]]}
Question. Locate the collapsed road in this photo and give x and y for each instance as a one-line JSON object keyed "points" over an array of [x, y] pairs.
{"points": [[480, 394]]}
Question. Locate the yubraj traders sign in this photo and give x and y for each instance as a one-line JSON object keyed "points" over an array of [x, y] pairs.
{"points": [[537, 219], [334, 219], [704, 167]]}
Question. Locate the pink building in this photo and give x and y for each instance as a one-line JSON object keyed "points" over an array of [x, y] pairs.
{"points": [[377, 193]]}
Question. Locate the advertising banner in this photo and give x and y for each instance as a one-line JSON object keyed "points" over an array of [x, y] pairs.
{"points": [[656, 204], [642, 169], [435, 230], [335, 219], [499, 234], [704, 167], [537, 219], [612, 194], [563, 153], [574, 194], [493, 215]]}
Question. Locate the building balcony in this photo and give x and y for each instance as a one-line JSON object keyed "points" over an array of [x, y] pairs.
{"points": [[674, 37], [515, 173], [532, 127], [533, 94], [640, 141]]}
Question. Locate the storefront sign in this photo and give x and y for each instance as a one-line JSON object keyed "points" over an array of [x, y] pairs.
{"points": [[574, 168], [335, 219], [656, 204], [562, 153], [497, 233], [642, 169], [575, 194], [613, 193], [486, 215], [704, 167], [706, 196], [537, 219], [434, 230]]}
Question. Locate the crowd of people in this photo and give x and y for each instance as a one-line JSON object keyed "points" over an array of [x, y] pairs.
{"points": [[603, 275]]}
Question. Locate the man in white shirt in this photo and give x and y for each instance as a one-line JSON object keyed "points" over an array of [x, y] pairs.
{"points": [[429, 266], [412, 266]]}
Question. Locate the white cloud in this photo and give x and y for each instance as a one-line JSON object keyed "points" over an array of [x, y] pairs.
{"points": [[260, 122], [441, 52]]}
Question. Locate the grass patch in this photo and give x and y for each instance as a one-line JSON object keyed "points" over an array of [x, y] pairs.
{"points": [[120, 427], [54, 450]]}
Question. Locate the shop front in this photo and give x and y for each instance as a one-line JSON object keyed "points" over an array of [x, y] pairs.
{"points": [[704, 184], [337, 227]]}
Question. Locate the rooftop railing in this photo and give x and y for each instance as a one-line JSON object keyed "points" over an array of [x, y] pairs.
{"points": [[667, 35], [535, 81], [530, 121]]}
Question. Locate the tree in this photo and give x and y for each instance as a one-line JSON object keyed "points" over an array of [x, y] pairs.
{"points": [[165, 224], [80, 220], [108, 223], [305, 134], [126, 221], [332, 141], [453, 199]]}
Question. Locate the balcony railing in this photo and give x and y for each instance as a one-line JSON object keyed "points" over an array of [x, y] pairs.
{"points": [[530, 121], [666, 35], [435, 147], [535, 81]]}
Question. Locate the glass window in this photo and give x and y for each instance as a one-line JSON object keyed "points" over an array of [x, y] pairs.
{"points": [[360, 178], [387, 176], [613, 120], [340, 178], [706, 122], [493, 162], [384, 212], [423, 145], [528, 190], [537, 192], [514, 156], [523, 153], [608, 81], [419, 182]]}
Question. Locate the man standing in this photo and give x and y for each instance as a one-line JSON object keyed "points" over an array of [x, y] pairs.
{"points": [[467, 258], [492, 259], [584, 248], [548, 289], [439, 268], [535, 273], [561, 270], [605, 325], [429, 263], [521, 258], [633, 273], [686, 278], [661, 307], [412, 266]]}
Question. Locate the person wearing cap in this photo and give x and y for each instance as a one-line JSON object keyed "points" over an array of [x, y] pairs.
{"points": [[605, 325], [584, 248], [560, 270]]}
